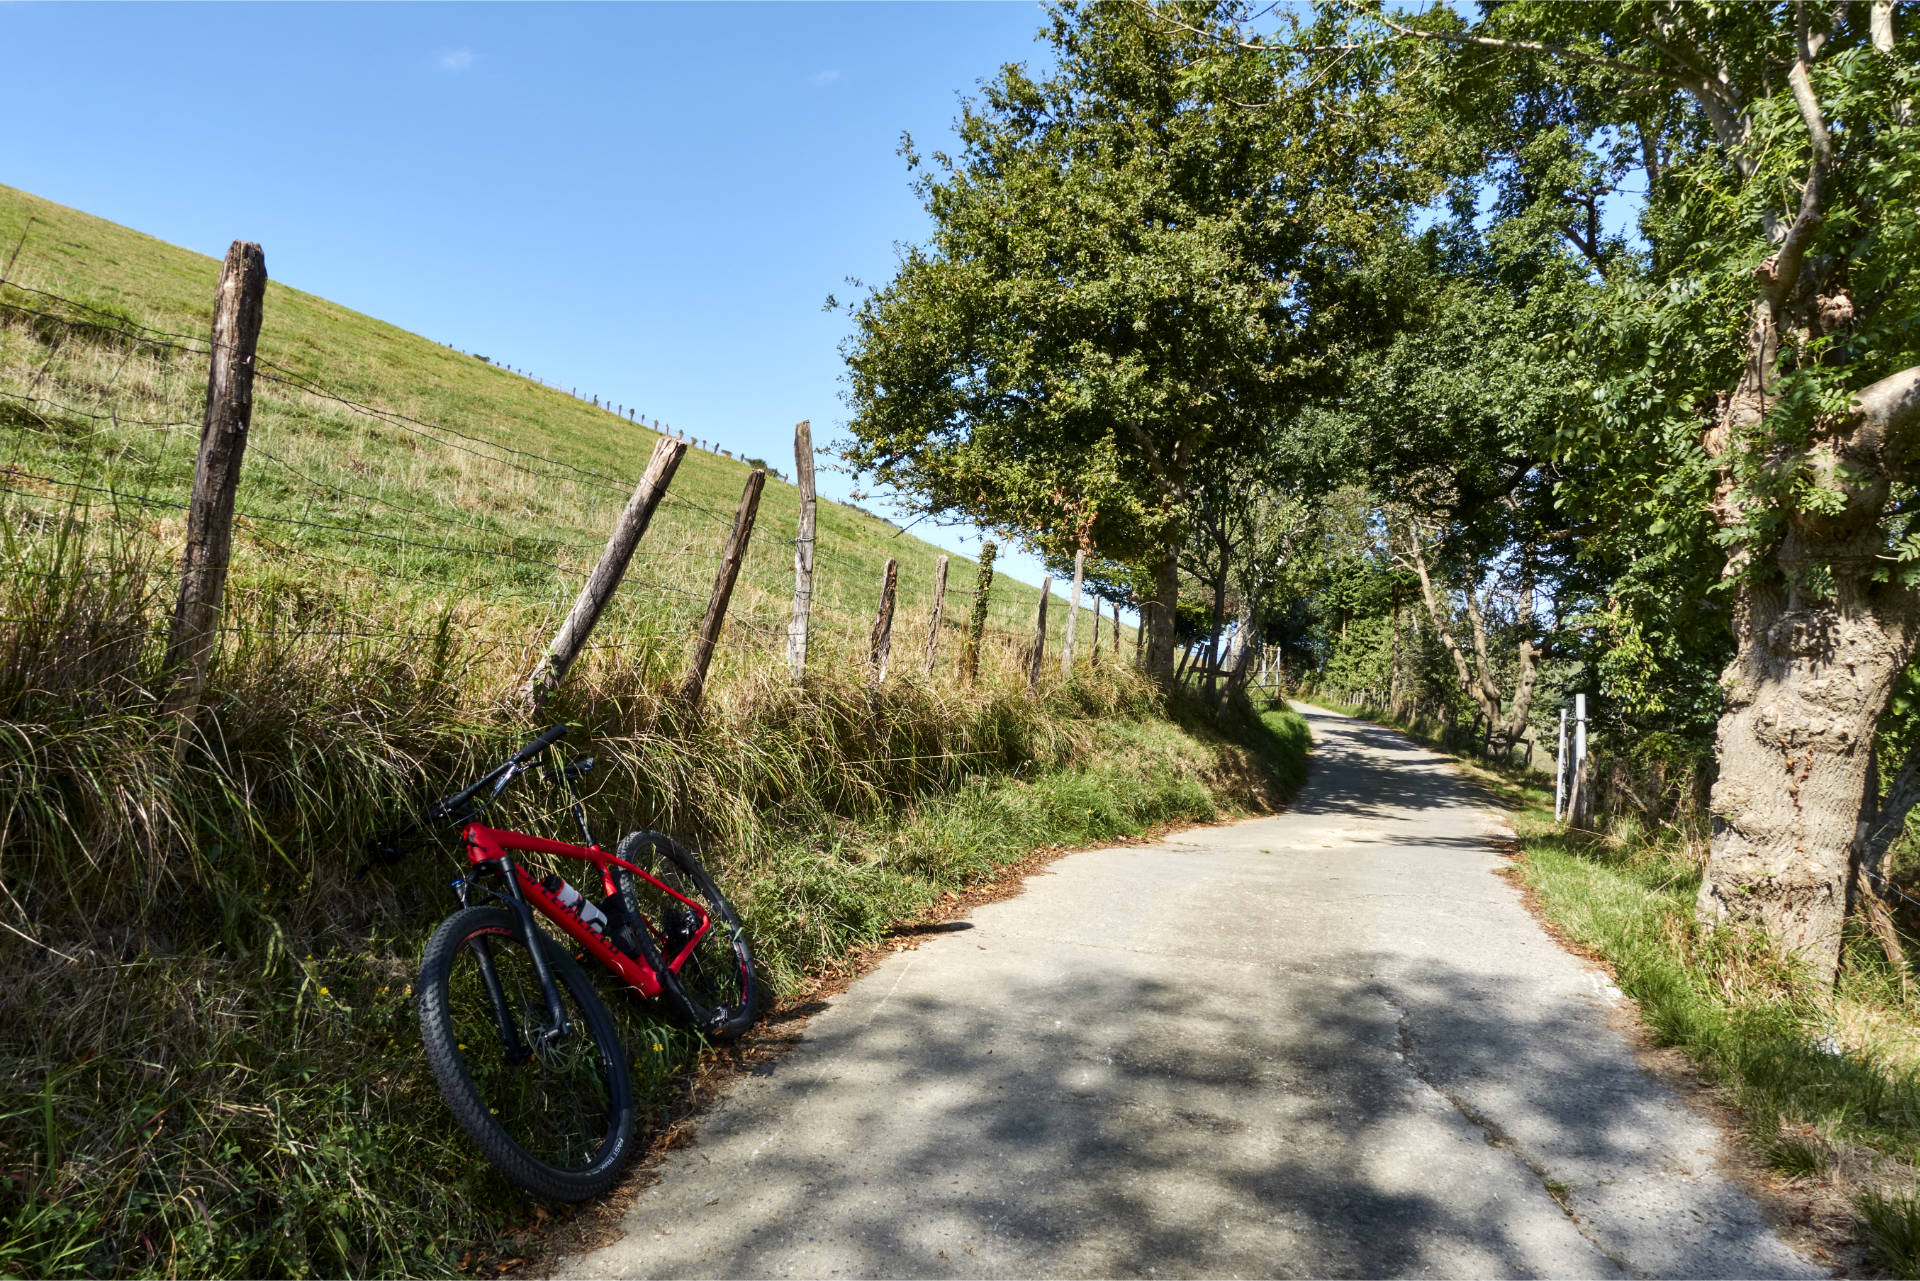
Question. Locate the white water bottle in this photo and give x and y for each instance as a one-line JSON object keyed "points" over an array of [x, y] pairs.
{"points": [[574, 901]]}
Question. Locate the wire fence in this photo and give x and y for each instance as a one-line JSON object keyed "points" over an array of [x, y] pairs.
{"points": [[102, 412]]}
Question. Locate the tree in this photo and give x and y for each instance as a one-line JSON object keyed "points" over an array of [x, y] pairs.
{"points": [[1762, 346], [1137, 262]]}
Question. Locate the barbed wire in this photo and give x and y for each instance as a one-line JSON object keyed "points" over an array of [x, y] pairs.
{"points": [[174, 342], [400, 507], [149, 501], [97, 417]]}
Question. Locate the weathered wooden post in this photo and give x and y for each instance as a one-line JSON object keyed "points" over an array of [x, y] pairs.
{"points": [[802, 552], [880, 640], [736, 550], [939, 606], [237, 309], [1140, 630], [606, 576], [977, 625], [1039, 635], [1073, 612], [1093, 652]]}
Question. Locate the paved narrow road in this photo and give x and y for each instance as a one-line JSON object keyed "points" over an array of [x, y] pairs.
{"points": [[1329, 1043]]}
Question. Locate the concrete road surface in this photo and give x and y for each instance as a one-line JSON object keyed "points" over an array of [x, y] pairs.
{"points": [[1327, 1043]]}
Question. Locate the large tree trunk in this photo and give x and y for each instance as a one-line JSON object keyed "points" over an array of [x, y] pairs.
{"points": [[1813, 667], [1160, 615], [1240, 653], [1213, 655], [1803, 695]]}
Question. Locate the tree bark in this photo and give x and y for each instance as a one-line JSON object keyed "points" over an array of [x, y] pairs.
{"points": [[1240, 652], [939, 607], [803, 546], [238, 305], [1073, 614], [1160, 618], [628, 530], [1039, 652], [880, 640], [1814, 665], [708, 636]]}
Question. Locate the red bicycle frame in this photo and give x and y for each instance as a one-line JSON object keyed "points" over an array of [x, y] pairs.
{"points": [[490, 846]]}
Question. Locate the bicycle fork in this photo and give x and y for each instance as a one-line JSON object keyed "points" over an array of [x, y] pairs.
{"points": [[559, 1026]]}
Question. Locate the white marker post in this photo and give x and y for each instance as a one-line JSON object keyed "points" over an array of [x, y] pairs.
{"points": [[1560, 769]]}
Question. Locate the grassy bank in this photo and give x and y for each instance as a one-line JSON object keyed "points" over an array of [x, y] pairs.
{"points": [[1826, 1082], [209, 1059]]}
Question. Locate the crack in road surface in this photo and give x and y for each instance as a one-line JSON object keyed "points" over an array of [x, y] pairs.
{"points": [[1496, 1137], [1188, 1059]]}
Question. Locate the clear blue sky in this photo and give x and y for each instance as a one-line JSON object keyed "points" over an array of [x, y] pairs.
{"points": [[649, 202]]}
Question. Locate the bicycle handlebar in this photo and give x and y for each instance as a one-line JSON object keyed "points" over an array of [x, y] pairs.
{"points": [[541, 744], [385, 846]]}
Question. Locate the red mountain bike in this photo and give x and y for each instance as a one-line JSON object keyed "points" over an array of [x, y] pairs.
{"points": [[523, 1048]]}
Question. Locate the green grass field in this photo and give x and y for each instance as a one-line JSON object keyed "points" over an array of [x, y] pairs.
{"points": [[523, 479], [208, 1058]]}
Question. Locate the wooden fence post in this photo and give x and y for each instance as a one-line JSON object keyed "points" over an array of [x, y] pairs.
{"points": [[939, 606], [1039, 635], [977, 625], [880, 640], [1093, 653], [606, 576], [802, 552], [1140, 631], [709, 634], [1073, 612], [237, 309]]}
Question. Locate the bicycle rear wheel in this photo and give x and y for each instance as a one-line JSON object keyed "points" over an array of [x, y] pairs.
{"points": [[555, 1115], [714, 987]]}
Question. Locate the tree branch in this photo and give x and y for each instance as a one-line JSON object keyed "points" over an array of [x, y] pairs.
{"points": [[1793, 250], [1886, 415]]}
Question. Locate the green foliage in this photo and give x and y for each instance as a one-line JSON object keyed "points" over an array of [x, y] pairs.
{"points": [[1130, 272]]}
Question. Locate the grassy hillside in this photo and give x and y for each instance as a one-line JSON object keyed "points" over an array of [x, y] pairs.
{"points": [[208, 1059], [461, 454]]}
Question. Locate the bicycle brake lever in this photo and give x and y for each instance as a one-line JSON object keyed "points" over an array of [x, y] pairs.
{"points": [[573, 773]]}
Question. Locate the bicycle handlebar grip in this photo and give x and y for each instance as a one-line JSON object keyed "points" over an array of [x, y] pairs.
{"points": [[541, 744]]}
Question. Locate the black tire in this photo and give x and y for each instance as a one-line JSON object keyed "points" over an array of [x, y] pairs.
{"points": [[557, 1121], [715, 989]]}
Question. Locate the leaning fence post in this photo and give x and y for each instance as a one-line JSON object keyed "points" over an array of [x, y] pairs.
{"points": [[709, 633], [237, 309], [939, 605], [880, 640], [977, 625], [606, 576], [802, 552], [1039, 635], [1073, 612]]}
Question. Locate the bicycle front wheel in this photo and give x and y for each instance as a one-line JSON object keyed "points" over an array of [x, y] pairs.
{"points": [[554, 1113]]}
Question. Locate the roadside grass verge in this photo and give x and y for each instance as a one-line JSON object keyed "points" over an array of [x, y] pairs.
{"points": [[1826, 1082]]}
